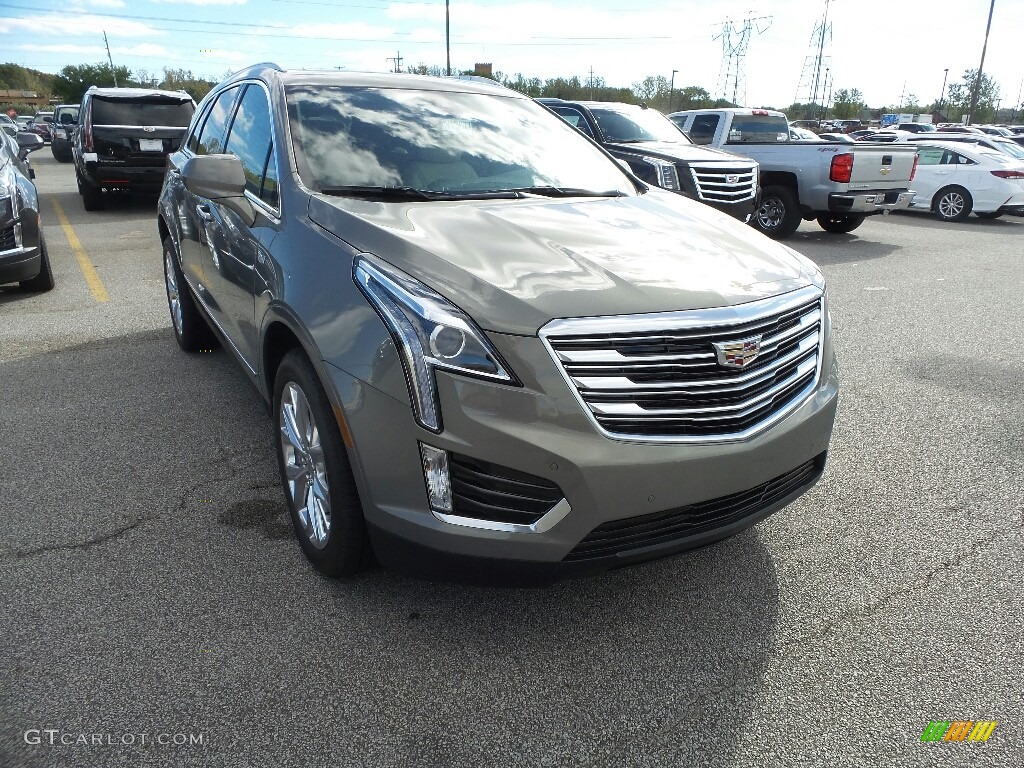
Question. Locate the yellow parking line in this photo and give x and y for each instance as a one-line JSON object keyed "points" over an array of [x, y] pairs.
{"points": [[91, 277]]}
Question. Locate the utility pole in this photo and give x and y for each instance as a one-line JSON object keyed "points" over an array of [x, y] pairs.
{"points": [[591, 83], [942, 93], [397, 58], [1020, 89], [447, 39], [672, 89], [112, 72], [733, 54], [981, 67]]}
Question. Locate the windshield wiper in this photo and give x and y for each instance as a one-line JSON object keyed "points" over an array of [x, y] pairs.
{"points": [[410, 193], [568, 192]]}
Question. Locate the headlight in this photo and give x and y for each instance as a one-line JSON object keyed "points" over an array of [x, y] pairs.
{"points": [[430, 333], [667, 176]]}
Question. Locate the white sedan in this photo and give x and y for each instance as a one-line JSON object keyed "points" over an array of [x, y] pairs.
{"points": [[953, 179]]}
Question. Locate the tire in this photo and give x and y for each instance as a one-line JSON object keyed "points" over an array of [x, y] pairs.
{"points": [[44, 280], [92, 197], [315, 472], [952, 204], [988, 214], [64, 156], [840, 224], [190, 328], [778, 214]]}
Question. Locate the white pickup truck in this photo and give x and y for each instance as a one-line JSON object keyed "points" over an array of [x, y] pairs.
{"points": [[837, 184]]}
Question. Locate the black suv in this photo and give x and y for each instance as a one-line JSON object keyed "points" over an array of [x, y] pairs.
{"points": [[123, 138], [65, 117], [659, 153]]}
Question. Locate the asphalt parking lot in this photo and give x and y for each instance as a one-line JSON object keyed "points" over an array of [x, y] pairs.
{"points": [[155, 597]]}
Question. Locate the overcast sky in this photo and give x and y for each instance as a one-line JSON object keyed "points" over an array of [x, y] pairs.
{"points": [[888, 50]]}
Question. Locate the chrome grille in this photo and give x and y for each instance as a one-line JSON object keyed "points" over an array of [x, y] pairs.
{"points": [[657, 377], [725, 183]]}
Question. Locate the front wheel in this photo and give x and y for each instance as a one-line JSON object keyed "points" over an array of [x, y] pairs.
{"points": [[952, 204], [840, 224], [778, 214], [318, 480]]}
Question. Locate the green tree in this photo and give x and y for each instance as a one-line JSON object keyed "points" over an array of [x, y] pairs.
{"points": [[847, 103], [75, 79], [958, 97], [184, 80]]}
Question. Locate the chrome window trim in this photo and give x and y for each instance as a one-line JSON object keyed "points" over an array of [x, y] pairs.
{"points": [[683, 320], [546, 522], [271, 211]]}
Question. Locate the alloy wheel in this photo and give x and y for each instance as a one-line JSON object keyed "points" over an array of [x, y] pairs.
{"points": [[951, 205], [173, 296], [305, 465]]}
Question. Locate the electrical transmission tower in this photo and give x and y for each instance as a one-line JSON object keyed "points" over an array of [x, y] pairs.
{"points": [[816, 62], [735, 37]]}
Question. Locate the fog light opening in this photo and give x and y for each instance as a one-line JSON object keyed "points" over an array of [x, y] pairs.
{"points": [[438, 478]]}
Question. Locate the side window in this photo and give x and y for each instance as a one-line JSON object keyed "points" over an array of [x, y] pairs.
{"points": [[574, 118], [703, 129], [251, 141], [211, 137], [930, 156]]}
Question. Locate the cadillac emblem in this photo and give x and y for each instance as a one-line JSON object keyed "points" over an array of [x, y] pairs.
{"points": [[738, 354], [732, 178]]}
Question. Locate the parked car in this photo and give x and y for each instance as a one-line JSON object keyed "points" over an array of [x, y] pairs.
{"points": [[994, 130], [835, 184], [958, 128], [842, 138], [65, 118], [485, 345], [123, 138], [23, 255], [23, 121], [659, 153], [9, 125], [42, 123], [953, 179], [1004, 145], [914, 127], [802, 134]]}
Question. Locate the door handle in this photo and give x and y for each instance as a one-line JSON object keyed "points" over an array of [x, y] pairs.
{"points": [[204, 212]]}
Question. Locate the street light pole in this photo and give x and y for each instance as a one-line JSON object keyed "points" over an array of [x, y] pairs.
{"points": [[672, 89], [447, 40], [942, 93], [981, 67]]}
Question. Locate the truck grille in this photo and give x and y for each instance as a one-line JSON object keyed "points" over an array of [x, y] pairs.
{"points": [[724, 184], [622, 536], [659, 377]]}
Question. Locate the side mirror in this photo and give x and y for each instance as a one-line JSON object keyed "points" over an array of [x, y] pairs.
{"points": [[219, 178], [28, 142]]}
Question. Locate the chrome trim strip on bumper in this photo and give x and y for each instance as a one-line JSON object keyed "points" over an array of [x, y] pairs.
{"points": [[546, 522]]}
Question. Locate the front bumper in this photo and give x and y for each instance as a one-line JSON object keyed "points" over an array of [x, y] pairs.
{"points": [[540, 429], [868, 203], [19, 249]]}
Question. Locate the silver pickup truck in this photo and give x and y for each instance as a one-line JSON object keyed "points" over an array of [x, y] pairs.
{"points": [[837, 184]]}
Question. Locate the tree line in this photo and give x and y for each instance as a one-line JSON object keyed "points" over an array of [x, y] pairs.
{"points": [[654, 91]]}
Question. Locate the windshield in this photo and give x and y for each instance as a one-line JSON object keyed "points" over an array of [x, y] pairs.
{"points": [[173, 113], [347, 137], [629, 125], [1011, 148]]}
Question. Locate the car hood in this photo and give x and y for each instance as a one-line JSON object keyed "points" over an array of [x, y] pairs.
{"points": [[513, 265], [695, 153]]}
